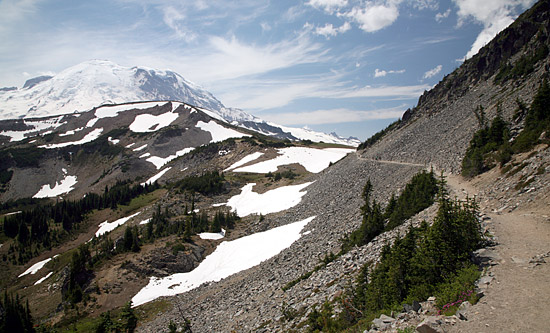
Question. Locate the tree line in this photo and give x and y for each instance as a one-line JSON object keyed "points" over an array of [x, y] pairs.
{"points": [[43, 226]]}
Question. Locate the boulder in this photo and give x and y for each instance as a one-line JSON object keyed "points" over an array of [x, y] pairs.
{"points": [[383, 322], [431, 324]]}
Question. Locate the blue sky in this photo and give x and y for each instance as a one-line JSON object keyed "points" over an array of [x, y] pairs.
{"points": [[348, 66]]}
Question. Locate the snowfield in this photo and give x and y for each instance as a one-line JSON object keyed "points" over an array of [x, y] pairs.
{"points": [[155, 177], [273, 201], [229, 258], [64, 186], [43, 279], [107, 227], [246, 159], [218, 132], [212, 235], [112, 111], [314, 160], [87, 138], [36, 267], [37, 126], [159, 162], [150, 123]]}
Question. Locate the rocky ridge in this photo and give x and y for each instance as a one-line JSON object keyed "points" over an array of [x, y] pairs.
{"points": [[437, 134]]}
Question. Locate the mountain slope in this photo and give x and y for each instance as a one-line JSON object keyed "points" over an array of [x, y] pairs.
{"points": [[98, 82]]}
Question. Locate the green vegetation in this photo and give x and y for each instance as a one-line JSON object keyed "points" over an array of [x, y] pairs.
{"points": [[522, 67], [418, 195], [428, 260], [209, 183], [50, 224], [126, 321], [490, 144], [289, 174], [15, 317], [23, 157], [378, 135], [537, 121]]}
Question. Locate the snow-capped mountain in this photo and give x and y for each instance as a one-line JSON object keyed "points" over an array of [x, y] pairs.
{"points": [[98, 82]]}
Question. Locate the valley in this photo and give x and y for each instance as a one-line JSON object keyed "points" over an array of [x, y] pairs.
{"points": [[170, 212]]}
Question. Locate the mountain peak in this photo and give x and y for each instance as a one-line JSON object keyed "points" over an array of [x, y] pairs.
{"points": [[96, 82]]}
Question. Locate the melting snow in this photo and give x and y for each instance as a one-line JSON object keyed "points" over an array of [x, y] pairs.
{"points": [[65, 186], [130, 145], [87, 138], [273, 201], [212, 235], [145, 155], [43, 279], [149, 123], [37, 126], [113, 141], [156, 177], [71, 132], [145, 221], [218, 132], [160, 161], [140, 148], [314, 160], [36, 267], [246, 159], [229, 258], [106, 226]]}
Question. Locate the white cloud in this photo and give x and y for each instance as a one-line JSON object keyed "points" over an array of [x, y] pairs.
{"points": [[263, 94], [330, 31], [373, 17], [432, 72], [173, 18], [328, 5], [494, 15], [440, 16], [12, 11], [333, 116], [382, 73], [425, 4]]}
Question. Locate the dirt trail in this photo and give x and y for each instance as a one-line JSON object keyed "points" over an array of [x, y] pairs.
{"points": [[518, 298]]}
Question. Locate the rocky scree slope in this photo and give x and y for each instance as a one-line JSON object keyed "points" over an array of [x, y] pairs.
{"points": [[440, 127], [436, 132]]}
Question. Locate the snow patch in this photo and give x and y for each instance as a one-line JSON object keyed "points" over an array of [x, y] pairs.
{"points": [[43, 279], [244, 160], [156, 177], [113, 141], [159, 162], [41, 125], [273, 201], [314, 160], [218, 132], [140, 148], [150, 123], [229, 258], [87, 138], [65, 186], [145, 221], [36, 267], [212, 235], [107, 227]]}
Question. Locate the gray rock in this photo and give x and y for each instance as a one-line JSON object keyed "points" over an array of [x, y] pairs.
{"points": [[431, 324], [383, 322]]}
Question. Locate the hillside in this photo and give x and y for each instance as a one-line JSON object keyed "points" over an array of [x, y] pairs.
{"points": [[237, 231]]}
